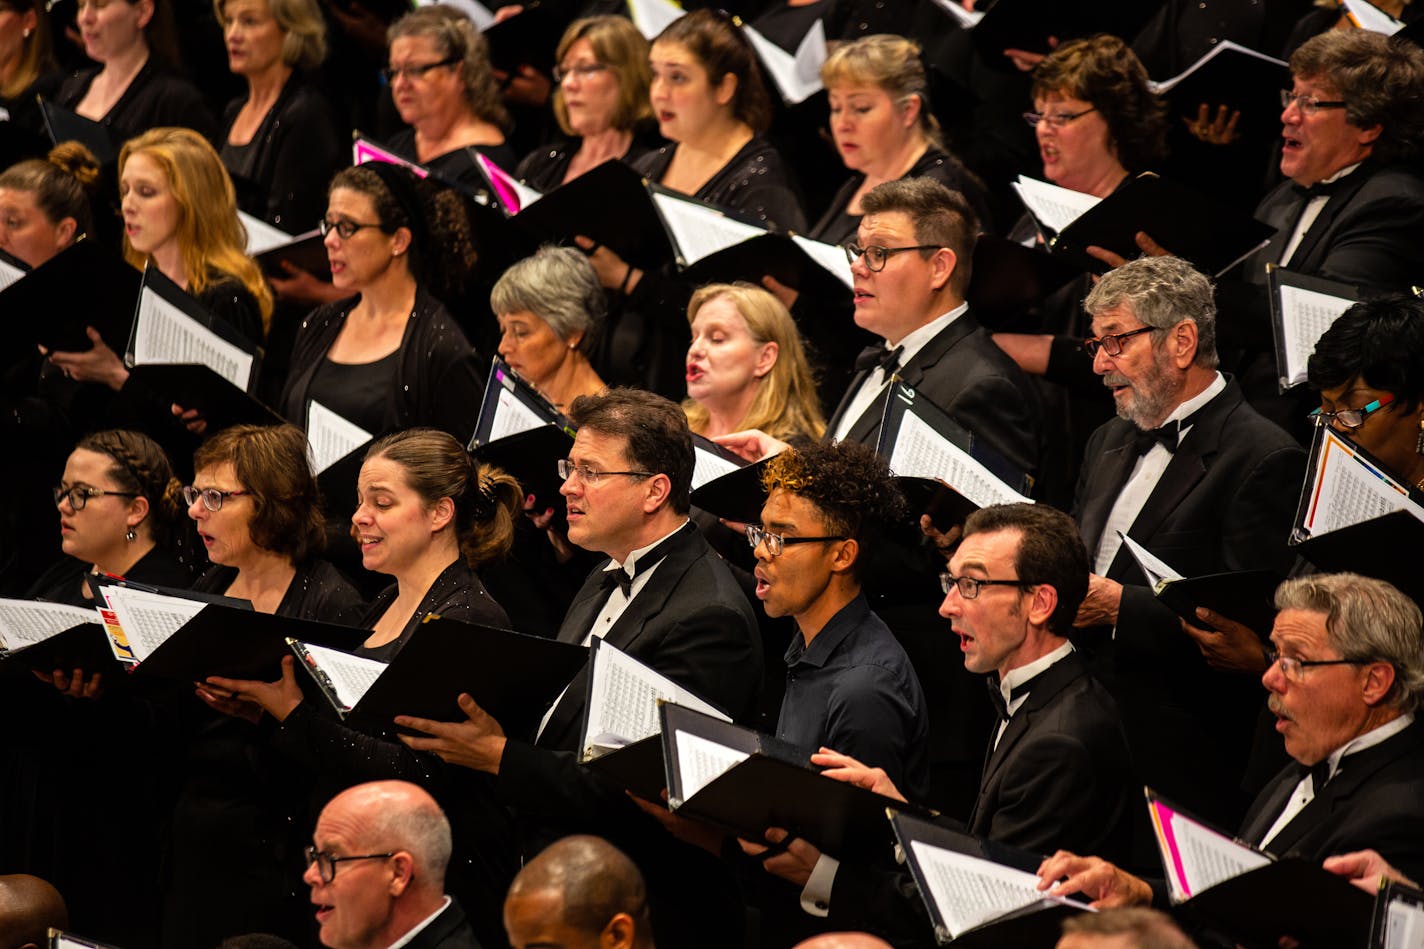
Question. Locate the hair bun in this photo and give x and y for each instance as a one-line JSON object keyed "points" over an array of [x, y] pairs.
{"points": [[76, 160]]}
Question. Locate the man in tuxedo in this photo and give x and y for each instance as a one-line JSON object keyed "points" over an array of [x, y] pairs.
{"points": [[1345, 682], [579, 893], [1193, 474], [1058, 766], [662, 596], [377, 871]]}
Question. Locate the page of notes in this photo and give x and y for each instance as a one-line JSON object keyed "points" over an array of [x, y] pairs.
{"points": [[165, 334], [148, 619], [331, 437], [708, 466], [1053, 207], [970, 891], [26, 622], [922, 452], [1347, 489], [699, 231], [350, 677], [1195, 856], [1305, 316], [700, 761], [623, 704], [830, 256]]}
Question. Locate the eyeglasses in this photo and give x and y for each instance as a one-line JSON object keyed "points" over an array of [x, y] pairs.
{"points": [[79, 495], [326, 863], [1350, 418], [344, 229], [392, 73], [1054, 120], [1309, 105], [776, 543], [577, 71], [591, 476], [1294, 669], [212, 497], [968, 587], [875, 256], [1112, 345]]}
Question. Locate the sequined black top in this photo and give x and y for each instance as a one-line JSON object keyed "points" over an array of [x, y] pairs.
{"points": [[456, 594], [755, 182], [318, 592]]}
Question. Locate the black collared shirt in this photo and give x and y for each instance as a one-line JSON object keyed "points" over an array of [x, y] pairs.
{"points": [[853, 689]]}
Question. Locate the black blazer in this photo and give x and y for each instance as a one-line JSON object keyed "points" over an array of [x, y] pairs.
{"points": [[449, 930], [963, 372], [1375, 800]]}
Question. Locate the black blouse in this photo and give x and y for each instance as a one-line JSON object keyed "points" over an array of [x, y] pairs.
{"points": [[545, 167], [755, 182], [317, 592], [64, 582], [456, 594], [837, 226], [156, 96], [454, 166]]}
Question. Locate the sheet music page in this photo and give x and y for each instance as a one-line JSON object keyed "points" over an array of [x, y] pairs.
{"points": [[797, 77], [1404, 925], [708, 466], [148, 619], [26, 622], [165, 334], [9, 273], [1305, 316], [968, 19], [1156, 569], [331, 437], [1199, 858], [1166, 85], [1347, 489], [922, 452], [830, 256], [511, 416], [652, 16], [348, 676], [1367, 16], [623, 706], [970, 891], [1053, 207], [701, 761], [699, 231], [261, 236]]}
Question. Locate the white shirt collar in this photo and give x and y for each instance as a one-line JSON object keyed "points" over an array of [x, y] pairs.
{"points": [[916, 340], [1213, 389], [1369, 739], [1340, 174], [631, 564], [1023, 673], [412, 933]]}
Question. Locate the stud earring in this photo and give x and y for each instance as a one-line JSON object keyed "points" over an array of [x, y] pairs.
{"points": [[130, 535]]}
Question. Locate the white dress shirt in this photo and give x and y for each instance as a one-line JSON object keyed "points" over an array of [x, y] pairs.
{"points": [[1311, 212], [412, 933]]}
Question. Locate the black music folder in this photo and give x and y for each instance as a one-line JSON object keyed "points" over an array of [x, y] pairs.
{"points": [[1287, 897], [1003, 909], [18, 144], [1378, 547], [1197, 227], [307, 251], [240, 644], [1239, 78], [86, 284], [65, 125], [1008, 277], [513, 676], [1302, 309], [521, 432], [736, 496], [772, 785], [773, 255], [1246, 596], [85, 646], [610, 205], [530, 37], [1398, 918]]}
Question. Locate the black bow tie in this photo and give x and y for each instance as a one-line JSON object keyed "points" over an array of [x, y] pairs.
{"points": [[620, 577], [1167, 436], [1317, 190], [1319, 773], [878, 357], [996, 695]]}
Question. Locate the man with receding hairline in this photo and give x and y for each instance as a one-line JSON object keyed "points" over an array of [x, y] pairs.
{"points": [[377, 871], [29, 906], [580, 893]]}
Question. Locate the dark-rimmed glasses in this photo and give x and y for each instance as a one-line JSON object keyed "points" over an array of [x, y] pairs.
{"points": [[212, 498], [1350, 418], [1112, 345], [776, 543], [1309, 105], [968, 587], [1294, 669], [1054, 120], [79, 495], [567, 469], [876, 256], [417, 72], [326, 862], [344, 229], [578, 71]]}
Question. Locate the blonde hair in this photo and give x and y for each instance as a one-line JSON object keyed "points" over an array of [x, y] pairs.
{"points": [[785, 403], [303, 30], [890, 63], [618, 45], [36, 51], [210, 236]]}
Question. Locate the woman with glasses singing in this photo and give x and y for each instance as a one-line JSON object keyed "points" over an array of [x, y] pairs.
{"points": [[600, 102], [443, 87], [388, 355]]}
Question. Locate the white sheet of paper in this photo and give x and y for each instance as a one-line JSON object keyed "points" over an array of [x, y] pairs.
{"points": [[623, 707], [1156, 569], [26, 622], [165, 334], [512, 416], [1347, 490], [798, 76], [652, 16], [1206, 858], [331, 437], [1054, 207], [9, 273], [966, 18], [261, 236], [1372, 18], [700, 761], [523, 194], [970, 891], [148, 619], [1305, 316], [351, 676], [707, 466], [830, 256], [921, 452], [1404, 925], [1166, 85], [699, 231]]}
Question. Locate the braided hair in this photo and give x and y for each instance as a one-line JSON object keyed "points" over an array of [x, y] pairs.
{"points": [[140, 466]]}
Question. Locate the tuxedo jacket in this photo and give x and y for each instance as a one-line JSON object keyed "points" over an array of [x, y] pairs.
{"points": [[449, 930], [1374, 801], [965, 374], [1226, 501]]}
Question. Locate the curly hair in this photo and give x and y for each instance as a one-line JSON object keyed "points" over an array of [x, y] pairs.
{"points": [[270, 461], [141, 466], [1103, 71], [849, 484], [1381, 79]]}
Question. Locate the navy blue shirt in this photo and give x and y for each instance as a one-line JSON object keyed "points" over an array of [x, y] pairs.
{"points": [[854, 690]]}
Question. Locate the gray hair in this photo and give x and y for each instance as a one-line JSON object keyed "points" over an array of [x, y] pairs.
{"points": [[397, 815], [455, 36], [1368, 620], [559, 286], [1162, 292], [1149, 928]]}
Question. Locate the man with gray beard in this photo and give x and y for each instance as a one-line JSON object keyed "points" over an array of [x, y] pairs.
{"points": [[1195, 475]]}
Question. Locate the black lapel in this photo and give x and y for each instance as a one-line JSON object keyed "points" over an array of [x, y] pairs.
{"points": [[1110, 473], [1304, 257]]}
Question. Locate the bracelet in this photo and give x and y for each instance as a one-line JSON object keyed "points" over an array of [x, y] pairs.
{"points": [[627, 275]]}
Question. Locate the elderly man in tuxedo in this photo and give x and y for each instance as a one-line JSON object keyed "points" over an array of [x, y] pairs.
{"points": [[1345, 682], [1197, 477]]}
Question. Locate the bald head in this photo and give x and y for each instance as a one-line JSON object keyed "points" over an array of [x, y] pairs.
{"points": [[398, 815], [580, 891], [843, 941], [28, 908]]}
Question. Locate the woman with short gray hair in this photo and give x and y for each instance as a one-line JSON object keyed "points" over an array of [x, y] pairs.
{"points": [[550, 308]]}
